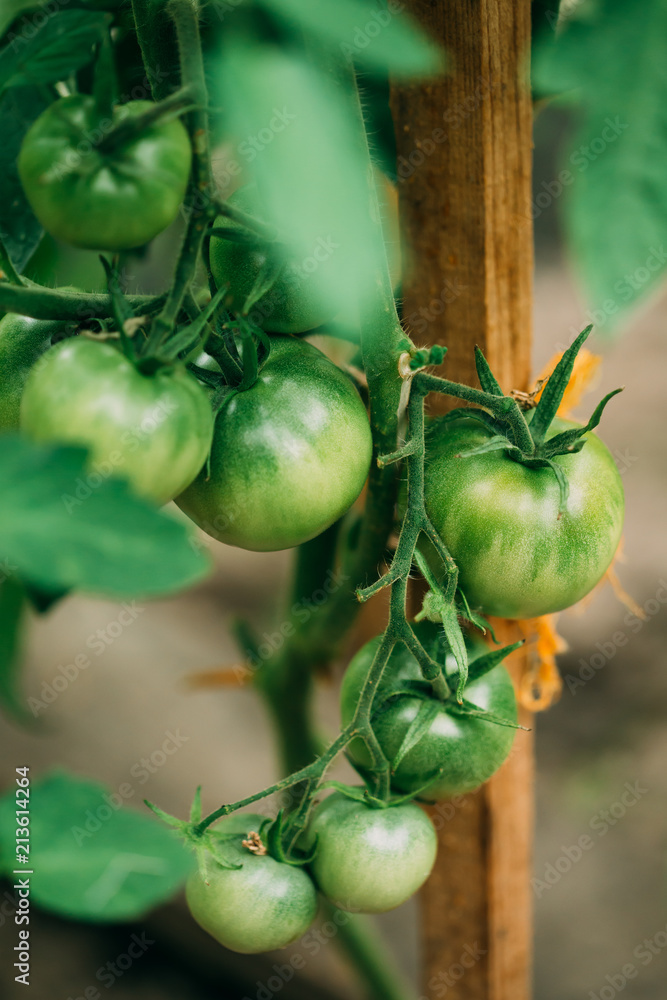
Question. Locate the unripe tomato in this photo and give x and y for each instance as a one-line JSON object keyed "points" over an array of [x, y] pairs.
{"points": [[370, 860], [262, 906], [517, 557], [289, 457], [153, 430], [97, 198], [467, 750], [22, 341]]}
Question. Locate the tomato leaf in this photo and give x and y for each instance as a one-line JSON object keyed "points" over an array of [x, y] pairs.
{"points": [[51, 51], [12, 612], [380, 40], [61, 529], [295, 128], [612, 65], [19, 229], [93, 859]]}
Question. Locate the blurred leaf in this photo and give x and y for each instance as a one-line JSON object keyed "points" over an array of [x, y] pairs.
{"points": [[12, 608], [93, 859], [295, 128], [380, 39], [613, 63], [56, 48], [19, 229], [59, 532], [11, 10]]}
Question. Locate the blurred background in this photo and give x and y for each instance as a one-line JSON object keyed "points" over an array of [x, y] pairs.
{"points": [[601, 749]]}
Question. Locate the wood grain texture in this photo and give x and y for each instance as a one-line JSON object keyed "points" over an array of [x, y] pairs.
{"points": [[464, 167]]}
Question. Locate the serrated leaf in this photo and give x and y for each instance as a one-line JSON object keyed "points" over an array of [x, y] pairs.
{"points": [[420, 725], [93, 858], [55, 48], [60, 533], [12, 611], [380, 40], [19, 229], [615, 207]]}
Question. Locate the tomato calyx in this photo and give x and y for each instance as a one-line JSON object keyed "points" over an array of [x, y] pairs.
{"points": [[533, 449]]}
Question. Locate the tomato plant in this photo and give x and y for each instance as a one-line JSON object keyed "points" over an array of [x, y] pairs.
{"points": [[154, 430], [290, 455], [105, 194], [196, 382], [257, 903], [369, 859], [453, 752]]}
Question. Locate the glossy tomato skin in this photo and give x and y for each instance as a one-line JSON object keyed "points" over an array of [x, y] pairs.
{"points": [[153, 430], [260, 907], [98, 199], [22, 342], [289, 457], [468, 750], [370, 860], [517, 558]]}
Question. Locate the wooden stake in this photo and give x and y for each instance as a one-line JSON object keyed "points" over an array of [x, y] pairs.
{"points": [[464, 166]]}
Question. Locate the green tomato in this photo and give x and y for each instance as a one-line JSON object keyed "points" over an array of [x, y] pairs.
{"points": [[153, 430], [262, 906], [103, 199], [22, 342], [289, 457], [370, 860], [467, 750], [517, 557]]}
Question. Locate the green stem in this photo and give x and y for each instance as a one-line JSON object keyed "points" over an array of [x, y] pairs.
{"points": [[198, 203], [155, 33], [52, 303], [503, 407]]}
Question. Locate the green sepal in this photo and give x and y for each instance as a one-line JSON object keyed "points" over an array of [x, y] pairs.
{"points": [[166, 817], [552, 394], [499, 442], [487, 379], [356, 793], [190, 337], [479, 621], [195, 808], [274, 834], [559, 472], [483, 664], [267, 276], [469, 710], [566, 442], [420, 725], [473, 413], [121, 308], [234, 235]]}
